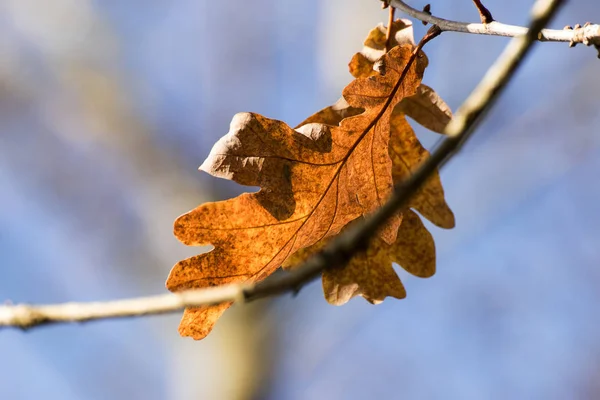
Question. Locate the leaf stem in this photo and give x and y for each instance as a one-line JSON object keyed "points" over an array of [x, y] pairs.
{"points": [[388, 34], [484, 14]]}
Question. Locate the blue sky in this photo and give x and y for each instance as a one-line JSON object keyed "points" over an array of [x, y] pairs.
{"points": [[108, 108]]}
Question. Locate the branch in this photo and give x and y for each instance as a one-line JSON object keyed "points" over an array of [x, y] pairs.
{"points": [[26, 316], [341, 250], [589, 34]]}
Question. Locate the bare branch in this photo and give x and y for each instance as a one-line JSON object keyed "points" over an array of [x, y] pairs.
{"points": [[589, 34], [26, 316], [341, 250]]}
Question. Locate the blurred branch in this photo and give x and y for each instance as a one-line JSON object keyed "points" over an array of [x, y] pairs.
{"points": [[341, 250], [26, 316], [589, 34]]}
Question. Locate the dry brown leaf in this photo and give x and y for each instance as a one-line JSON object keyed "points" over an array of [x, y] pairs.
{"points": [[313, 181]]}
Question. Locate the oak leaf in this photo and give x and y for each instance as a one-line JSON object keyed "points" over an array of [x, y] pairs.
{"points": [[313, 180]]}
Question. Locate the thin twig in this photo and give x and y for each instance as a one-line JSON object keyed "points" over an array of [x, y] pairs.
{"points": [[589, 34], [484, 14], [388, 34], [339, 252], [26, 316]]}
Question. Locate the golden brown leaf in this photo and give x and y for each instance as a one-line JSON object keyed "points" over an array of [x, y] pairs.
{"points": [[313, 181]]}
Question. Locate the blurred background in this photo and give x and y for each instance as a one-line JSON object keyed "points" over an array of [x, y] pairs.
{"points": [[108, 107]]}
